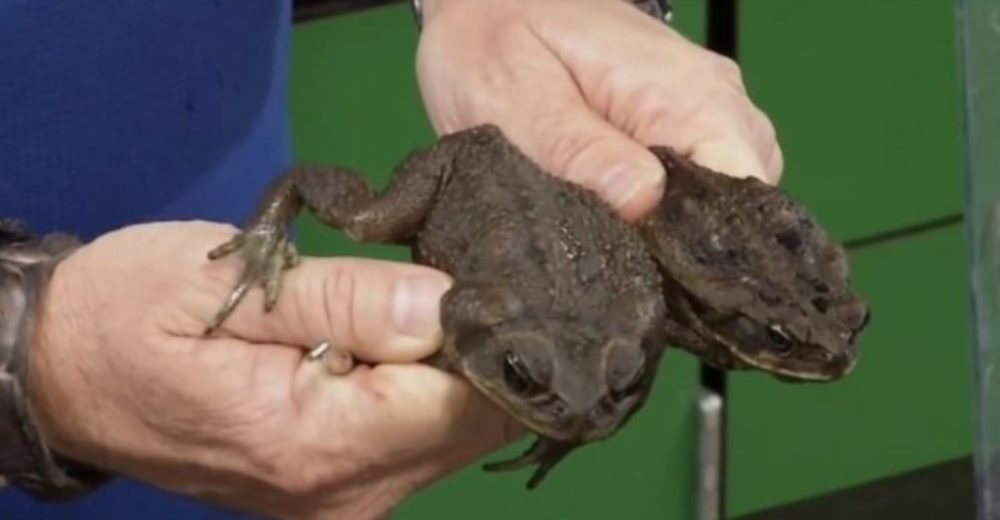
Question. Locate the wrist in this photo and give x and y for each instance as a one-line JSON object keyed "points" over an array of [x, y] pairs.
{"points": [[51, 377], [26, 460]]}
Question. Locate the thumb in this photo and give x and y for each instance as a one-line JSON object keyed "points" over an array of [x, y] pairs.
{"points": [[582, 148], [376, 311]]}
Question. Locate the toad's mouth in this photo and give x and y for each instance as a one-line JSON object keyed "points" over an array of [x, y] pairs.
{"points": [[788, 368], [524, 415], [580, 431]]}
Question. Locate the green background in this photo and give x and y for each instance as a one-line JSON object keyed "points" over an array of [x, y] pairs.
{"points": [[866, 102]]}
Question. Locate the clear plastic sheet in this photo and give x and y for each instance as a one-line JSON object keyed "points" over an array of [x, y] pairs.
{"points": [[979, 46]]}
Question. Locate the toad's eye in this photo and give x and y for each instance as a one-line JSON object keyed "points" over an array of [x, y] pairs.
{"points": [[779, 341], [631, 386], [625, 366], [518, 377]]}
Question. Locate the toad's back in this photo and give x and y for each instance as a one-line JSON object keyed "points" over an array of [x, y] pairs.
{"points": [[498, 217]]}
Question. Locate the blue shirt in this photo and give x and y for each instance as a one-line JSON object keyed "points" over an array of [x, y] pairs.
{"points": [[116, 112]]}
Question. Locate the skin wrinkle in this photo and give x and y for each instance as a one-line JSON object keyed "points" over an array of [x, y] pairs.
{"points": [[344, 287], [299, 391], [301, 315], [328, 317], [651, 119], [563, 154], [552, 50], [487, 107], [564, 149], [307, 380], [261, 384], [587, 57], [331, 478], [448, 120]]}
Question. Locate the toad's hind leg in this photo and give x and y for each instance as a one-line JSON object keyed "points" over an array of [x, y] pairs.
{"points": [[340, 198]]}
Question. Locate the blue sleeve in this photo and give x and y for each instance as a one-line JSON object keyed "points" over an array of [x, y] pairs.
{"points": [[135, 110], [113, 113]]}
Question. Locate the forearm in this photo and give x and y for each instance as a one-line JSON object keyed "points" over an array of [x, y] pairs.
{"points": [[25, 460]]}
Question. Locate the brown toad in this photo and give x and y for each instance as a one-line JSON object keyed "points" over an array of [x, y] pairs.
{"points": [[753, 279], [560, 310]]}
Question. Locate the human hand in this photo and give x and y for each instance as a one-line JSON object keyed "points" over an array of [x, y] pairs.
{"points": [[121, 377], [583, 86]]}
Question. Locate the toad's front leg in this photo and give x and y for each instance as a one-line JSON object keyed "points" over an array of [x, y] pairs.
{"points": [[338, 197], [544, 452]]}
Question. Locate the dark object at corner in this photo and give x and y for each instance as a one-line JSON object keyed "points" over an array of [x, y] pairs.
{"points": [[941, 491]]}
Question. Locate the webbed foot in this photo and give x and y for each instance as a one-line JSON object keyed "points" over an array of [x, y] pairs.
{"points": [[544, 452], [266, 252]]}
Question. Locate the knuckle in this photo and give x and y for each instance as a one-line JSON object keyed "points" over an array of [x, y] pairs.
{"points": [[649, 104], [614, 91], [654, 114], [724, 114], [662, 122], [565, 144], [763, 136], [775, 164], [727, 69], [764, 128], [766, 139], [717, 118]]}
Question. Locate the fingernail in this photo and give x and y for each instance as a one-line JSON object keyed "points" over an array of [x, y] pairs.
{"points": [[733, 159], [415, 306]]}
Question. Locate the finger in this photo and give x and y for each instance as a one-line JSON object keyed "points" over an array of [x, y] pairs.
{"points": [[552, 123], [535, 100], [735, 138], [574, 143], [732, 157], [698, 104], [373, 310]]}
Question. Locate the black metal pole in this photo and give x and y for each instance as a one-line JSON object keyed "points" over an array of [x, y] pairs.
{"points": [[722, 38]]}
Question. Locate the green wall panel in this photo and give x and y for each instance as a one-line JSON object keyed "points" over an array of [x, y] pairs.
{"points": [[865, 98], [355, 102], [907, 404]]}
